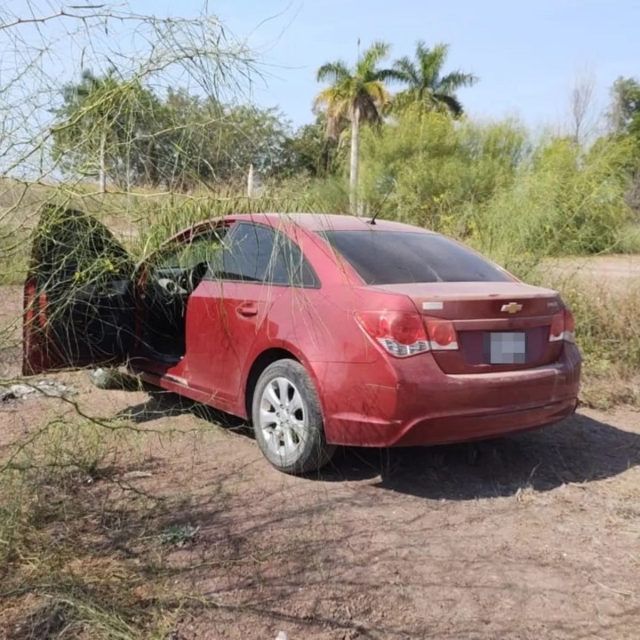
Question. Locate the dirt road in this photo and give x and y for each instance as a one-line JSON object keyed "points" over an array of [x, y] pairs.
{"points": [[618, 272], [538, 537]]}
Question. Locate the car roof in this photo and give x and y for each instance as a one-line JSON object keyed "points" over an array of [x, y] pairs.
{"points": [[326, 222]]}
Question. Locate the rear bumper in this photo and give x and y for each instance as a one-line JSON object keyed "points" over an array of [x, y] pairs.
{"points": [[463, 428], [411, 402]]}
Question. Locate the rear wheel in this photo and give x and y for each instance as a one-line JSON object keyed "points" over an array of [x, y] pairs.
{"points": [[287, 419]]}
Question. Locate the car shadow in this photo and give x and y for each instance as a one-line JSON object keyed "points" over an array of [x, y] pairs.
{"points": [[163, 404], [578, 450]]}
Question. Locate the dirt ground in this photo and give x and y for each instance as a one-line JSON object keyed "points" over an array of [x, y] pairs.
{"points": [[618, 271], [525, 537]]}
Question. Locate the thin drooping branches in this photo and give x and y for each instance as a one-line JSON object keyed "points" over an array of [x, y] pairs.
{"points": [[121, 64]]}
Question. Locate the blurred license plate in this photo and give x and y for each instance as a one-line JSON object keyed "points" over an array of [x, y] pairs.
{"points": [[506, 347]]}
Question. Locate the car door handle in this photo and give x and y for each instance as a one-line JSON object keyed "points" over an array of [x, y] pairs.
{"points": [[247, 310]]}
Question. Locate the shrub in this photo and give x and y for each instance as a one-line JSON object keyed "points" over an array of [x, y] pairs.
{"points": [[491, 185], [427, 168]]}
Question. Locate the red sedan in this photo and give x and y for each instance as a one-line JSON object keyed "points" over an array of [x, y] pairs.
{"points": [[322, 330]]}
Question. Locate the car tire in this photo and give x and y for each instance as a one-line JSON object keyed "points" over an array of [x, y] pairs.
{"points": [[287, 419]]}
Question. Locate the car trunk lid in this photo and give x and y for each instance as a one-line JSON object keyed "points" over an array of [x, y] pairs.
{"points": [[500, 326]]}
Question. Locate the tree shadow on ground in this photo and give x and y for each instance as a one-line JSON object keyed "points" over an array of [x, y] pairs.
{"points": [[273, 554], [577, 450]]}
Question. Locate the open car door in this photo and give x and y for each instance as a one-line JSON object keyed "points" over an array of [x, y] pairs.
{"points": [[79, 302]]}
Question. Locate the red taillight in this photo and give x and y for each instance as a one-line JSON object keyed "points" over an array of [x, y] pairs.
{"points": [[401, 334], [442, 335], [563, 327], [403, 328], [406, 334], [557, 327]]}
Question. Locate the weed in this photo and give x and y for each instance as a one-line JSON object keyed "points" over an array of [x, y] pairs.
{"points": [[54, 533], [13, 255], [178, 535], [628, 240]]}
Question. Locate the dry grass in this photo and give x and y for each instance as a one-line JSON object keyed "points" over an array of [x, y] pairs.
{"points": [[141, 220], [80, 552], [158, 526], [608, 334], [235, 550]]}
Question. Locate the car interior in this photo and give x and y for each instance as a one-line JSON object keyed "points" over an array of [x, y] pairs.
{"points": [[172, 278]]}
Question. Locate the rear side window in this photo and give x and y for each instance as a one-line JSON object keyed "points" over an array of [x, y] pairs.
{"points": [[290, 266], [399, 257]]}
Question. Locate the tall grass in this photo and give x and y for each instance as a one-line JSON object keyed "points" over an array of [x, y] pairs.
{"points": [[176, 214], [607, 333], [14, 251], [628, 240]]}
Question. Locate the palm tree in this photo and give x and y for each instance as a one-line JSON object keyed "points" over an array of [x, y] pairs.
{"points": [[358, 94], [425, 84]]}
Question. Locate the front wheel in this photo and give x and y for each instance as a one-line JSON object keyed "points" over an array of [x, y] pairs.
{"points": [[287, 419]]}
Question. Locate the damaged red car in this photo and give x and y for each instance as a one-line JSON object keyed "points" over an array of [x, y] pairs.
{"points": [[322, 330]]}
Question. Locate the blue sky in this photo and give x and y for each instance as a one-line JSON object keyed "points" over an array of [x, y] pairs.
{"points": [[526, 52]]}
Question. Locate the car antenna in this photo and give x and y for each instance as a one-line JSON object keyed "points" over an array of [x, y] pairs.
{"points": [[378, 209]]}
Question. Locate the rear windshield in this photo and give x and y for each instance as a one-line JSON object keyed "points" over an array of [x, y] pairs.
{"points": [[398, 257]]}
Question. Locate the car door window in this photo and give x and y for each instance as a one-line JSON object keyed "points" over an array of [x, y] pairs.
{"points": [[256, 253], [247, 253], [204, 248]]}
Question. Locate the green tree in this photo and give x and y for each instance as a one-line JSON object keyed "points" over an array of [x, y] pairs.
{"points": [[426, 86], [308, 151], [253, 136], [110, 127], [205, 141], [624, 118], [624, 113], [428, 169], [105, 127], [359, 94]]}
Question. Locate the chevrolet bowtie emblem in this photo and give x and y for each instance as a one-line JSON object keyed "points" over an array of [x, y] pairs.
{"points": [[512, 307]]}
